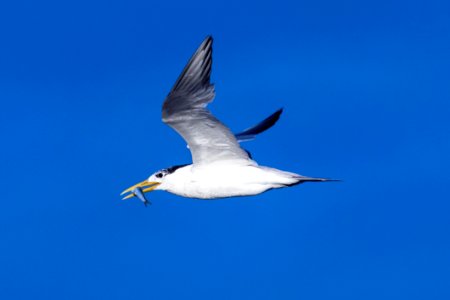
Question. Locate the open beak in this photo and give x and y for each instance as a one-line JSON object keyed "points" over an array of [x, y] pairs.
{"points": [[140, 188]]}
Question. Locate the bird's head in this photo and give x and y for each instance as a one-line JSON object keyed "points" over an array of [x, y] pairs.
{"points": [[154, 182]]}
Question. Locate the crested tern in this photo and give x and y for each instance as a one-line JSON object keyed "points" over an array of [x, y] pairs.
{"points": [[220, 167]]}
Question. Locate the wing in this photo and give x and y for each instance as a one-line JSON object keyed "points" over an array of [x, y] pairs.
{"points": [[185, 111], [250, 133]]}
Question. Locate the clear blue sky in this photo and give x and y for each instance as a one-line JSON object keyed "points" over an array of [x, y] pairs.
{"points": [[365, 87]]}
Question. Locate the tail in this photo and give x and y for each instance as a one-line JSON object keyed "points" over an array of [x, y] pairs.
{"points": [[302, 179]]}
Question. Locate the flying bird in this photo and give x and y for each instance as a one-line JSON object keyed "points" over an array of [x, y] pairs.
{"points": [[220, 167]]}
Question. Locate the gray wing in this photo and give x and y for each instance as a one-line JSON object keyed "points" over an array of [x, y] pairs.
{"points": [[184, 110]]}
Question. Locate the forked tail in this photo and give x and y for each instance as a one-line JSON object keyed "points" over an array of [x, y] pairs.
{"points": [[302, 179]]}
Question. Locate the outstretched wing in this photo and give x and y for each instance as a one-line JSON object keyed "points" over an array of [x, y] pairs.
{"points": [[250, 133], [185, 111]]}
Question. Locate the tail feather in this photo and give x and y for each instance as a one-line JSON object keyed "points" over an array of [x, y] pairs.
{"points": [[302, 179]]}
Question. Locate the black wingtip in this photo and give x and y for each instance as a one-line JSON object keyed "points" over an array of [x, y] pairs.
{"points": [[276, 115], [196, 74], [260, 127], [207, 42], [273, 118]]}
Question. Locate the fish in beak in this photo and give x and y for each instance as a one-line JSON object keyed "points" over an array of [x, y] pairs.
{"points": [[139, 189]]}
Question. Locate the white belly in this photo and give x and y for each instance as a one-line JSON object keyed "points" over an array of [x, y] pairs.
{"points": [[226, 181], [224, 190]]}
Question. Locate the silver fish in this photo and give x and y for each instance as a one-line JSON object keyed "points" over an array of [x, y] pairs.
{"points": [[138, 193]]}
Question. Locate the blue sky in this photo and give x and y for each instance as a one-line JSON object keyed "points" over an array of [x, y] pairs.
{"points": [[365, 87]]}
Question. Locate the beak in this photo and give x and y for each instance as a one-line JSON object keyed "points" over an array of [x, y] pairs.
{"points": [[145, 186]]}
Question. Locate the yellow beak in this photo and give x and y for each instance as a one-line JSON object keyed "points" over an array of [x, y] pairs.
{"points": [[145, 185]]}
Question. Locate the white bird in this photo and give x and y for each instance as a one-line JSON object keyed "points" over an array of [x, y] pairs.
{"points": [[220, 167]]}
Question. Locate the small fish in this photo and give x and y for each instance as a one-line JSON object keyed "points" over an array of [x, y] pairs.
{"points": [[138, 193]]}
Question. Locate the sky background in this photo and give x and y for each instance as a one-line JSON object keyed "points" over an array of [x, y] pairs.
{"points": [[365, 88]]}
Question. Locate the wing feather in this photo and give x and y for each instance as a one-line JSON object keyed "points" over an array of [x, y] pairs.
{"points": [[185, 111]]}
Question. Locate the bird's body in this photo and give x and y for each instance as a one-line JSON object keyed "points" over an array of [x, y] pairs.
{"points": [[226, 180], [220, 168]]}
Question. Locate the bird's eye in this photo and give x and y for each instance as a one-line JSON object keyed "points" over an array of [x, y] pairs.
{"points": [[159, 175]]}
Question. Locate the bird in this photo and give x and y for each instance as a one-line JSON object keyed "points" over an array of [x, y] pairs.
{"points": [[220, 167]]}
